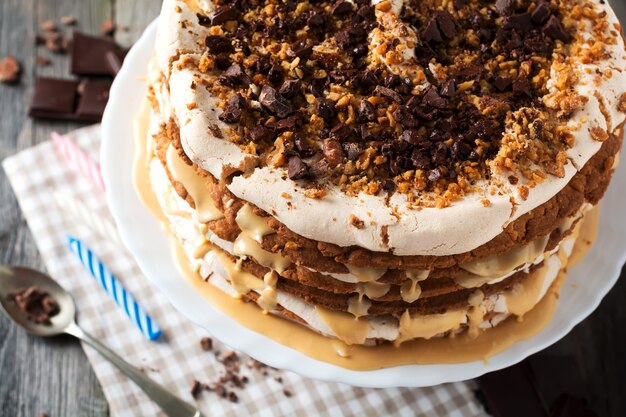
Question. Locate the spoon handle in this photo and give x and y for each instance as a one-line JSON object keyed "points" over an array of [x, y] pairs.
{"points": [[169, 403]]}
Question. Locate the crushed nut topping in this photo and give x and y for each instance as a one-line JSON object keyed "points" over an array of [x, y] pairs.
{"points": [[428, 101]]}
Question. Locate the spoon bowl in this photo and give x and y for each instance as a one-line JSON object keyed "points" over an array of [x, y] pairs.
{"points": [[14, 278]]}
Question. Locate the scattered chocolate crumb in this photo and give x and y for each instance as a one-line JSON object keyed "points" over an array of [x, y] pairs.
{"points": [[196, 388], [232, 397], [206, 343], [287, 392], [48, 26], [10, 70], [68, 20], [37, 304], [108, 27], [42, 61]]}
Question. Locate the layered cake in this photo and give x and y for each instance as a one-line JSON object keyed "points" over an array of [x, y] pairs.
{"points": [[384, 173]]}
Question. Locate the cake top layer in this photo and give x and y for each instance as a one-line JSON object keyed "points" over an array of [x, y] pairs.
{"points": [[376, 113], [406, 97]]}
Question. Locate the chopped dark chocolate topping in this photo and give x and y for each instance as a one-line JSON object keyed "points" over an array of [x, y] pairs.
{"points": [[341, 98]]}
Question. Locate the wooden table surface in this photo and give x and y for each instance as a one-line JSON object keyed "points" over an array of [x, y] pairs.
{"points": [[53, 375]]}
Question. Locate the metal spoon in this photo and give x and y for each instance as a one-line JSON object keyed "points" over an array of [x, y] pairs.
{"points": [[13, 278]]}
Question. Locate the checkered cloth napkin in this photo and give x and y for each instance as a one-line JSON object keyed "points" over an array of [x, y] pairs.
{"points": [[177, 358]]}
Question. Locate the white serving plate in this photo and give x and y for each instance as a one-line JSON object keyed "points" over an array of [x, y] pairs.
{"points": [[585, 287]]}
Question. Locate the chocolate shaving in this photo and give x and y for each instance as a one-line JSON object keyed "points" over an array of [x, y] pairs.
{"points": [[274, 102], [36, 304]]}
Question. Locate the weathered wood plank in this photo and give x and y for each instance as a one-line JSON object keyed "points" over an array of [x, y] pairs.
{"points": [[132, 18]]}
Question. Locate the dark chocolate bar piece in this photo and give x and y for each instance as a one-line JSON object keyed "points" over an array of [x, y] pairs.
{"points": [[89, 55], [58, 99]]}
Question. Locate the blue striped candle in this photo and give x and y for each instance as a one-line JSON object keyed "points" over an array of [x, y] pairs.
{"points": [[113, 287]]}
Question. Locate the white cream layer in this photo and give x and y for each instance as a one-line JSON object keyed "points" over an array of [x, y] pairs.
{"points": [[464, 226]]}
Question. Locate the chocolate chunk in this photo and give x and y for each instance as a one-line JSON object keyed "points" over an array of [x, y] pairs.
{"points": [[521, 22], [420, 159], [411, 136], [275, 74], [502, 83], [41, 61], [446, 24], [341, 132], [522, 86], [218, 44], [366, 111], [203, 20], [471, 71], [332, 151], [53, 95], [431, 32], [541, 13], [296, 168], [291, 88], [94, 97], [387, 92], [441, 153], [10, 70], [223, 14], [342, 39], [301, 49], [397, 83], [460, 151], [342, 8], [196, 389], [404, 117], [56, 43], [258, 133], [555, 30], [366, 133], [287, 392], [505, 7], [448, 89], [366, 80], [325, 109], [302, 145], [36, 304], [433, 99], [108, 27], [274, 102], [61, 100], [89, 54], [319, 169], [235, 76], [435, 175], [352, 150], [234, 109], [113, 61], [289, 123], [316, 20], [206, 343]]}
